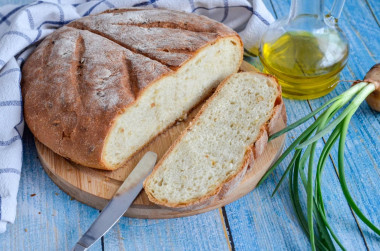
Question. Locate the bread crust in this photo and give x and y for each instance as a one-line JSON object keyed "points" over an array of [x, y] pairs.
{"points": [[252, 152], [71, 80]]}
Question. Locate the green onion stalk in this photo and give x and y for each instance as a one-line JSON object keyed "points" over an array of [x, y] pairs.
{"points": [[302, 164]]}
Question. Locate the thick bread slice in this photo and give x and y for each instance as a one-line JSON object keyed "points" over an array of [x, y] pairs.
{"points": [[213, 154], [99, 89]]}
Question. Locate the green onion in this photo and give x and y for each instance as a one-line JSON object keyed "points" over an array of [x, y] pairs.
{"points": [[342, 178], [305, 146]]}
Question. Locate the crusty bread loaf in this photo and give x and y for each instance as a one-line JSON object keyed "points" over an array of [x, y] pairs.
{"points": [[213, 153], [99, 89]]}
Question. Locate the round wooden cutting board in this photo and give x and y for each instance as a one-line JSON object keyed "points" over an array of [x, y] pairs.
{"points": [[95, 187]]}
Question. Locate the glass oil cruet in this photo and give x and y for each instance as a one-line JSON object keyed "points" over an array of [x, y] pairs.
{"points": [[306, 50]]}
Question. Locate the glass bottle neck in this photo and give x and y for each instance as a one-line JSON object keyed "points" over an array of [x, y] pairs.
{"points": [[306, 7]]}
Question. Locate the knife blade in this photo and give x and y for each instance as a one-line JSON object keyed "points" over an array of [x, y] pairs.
{"points": [[120, 202]]}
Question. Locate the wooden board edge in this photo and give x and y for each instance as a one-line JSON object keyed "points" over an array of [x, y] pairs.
{"points": [[145, 212]]}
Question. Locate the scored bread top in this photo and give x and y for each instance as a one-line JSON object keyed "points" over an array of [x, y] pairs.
{"points": [[81, 77]]}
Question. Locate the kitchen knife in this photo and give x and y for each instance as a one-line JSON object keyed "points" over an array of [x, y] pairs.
{"points": [[120, 202]]}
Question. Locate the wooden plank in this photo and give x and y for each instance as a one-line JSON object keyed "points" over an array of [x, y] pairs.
{"points": [[46, 217], [281, 8], [362, 32], [269, 5], [374, 7], [201, 232]]}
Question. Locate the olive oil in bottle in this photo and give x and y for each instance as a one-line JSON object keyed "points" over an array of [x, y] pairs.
{"points": [[306, 65]]}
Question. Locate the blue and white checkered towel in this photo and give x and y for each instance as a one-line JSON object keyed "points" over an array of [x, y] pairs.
{"points": [[22, 27]]}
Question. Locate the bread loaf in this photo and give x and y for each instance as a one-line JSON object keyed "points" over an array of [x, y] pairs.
{"points": [[212, 155], [99, 89]]}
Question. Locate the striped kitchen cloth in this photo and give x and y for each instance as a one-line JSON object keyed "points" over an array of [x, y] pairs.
{"points": [[23, 26]]}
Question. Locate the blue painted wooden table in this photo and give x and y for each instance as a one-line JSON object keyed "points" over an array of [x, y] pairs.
{"points": [[48, 219]]}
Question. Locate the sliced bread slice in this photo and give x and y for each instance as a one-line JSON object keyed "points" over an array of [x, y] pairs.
{"points": [[212, 155]]}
